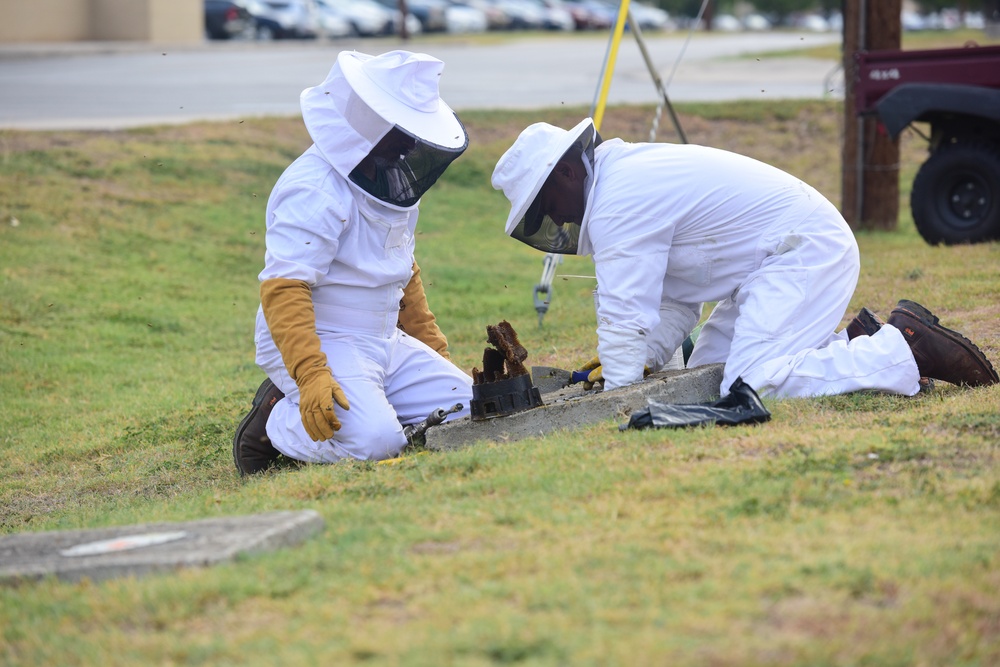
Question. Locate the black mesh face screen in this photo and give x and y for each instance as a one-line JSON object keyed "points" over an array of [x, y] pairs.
{"points": [[401, 168], [550, 237], [547, 235]]}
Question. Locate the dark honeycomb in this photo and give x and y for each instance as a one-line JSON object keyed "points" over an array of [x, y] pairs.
{"points": [[503, 361]]}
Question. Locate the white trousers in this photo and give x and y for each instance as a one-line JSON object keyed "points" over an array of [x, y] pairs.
{"points": [[778, 330], [390, 379]]}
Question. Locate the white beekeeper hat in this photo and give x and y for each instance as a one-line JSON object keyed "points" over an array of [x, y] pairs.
{"points": [[365, 98], [403, 88], [524, 168]]}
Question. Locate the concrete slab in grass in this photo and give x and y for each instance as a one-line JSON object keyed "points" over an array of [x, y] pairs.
{"points": [[573, 407], [105, 553]]}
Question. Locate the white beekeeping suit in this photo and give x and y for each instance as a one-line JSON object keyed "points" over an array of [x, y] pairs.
{"points": [[340, 259], [671, 227]]}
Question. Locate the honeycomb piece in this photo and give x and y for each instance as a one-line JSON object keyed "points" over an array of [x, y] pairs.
{"points": [[505, 359]]}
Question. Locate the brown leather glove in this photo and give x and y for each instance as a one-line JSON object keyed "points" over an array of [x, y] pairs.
{"points": [[416, 318], [291, 318]]}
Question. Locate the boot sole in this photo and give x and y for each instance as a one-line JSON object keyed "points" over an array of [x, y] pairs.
{"points": [[929, 319], [866, 323]]}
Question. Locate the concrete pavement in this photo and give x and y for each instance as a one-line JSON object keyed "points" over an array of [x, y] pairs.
{"points": [[116, 85]]}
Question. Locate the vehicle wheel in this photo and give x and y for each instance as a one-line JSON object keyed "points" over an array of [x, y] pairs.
{"points": [[956, 195], [265, 34]]}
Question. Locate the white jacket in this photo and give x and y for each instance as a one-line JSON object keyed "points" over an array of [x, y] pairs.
{"points": [[671, 227], [350, 248]]}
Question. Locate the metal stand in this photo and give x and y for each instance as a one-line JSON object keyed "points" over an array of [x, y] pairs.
{"points": [[544, 286]]}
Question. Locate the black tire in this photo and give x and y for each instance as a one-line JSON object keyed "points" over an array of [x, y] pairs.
{"points": [[956, 195]]}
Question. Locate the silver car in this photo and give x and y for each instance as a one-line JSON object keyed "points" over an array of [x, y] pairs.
{"points": [[295, 19]]}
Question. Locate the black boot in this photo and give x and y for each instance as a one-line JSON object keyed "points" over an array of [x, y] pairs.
{"points": [[252, 450]]}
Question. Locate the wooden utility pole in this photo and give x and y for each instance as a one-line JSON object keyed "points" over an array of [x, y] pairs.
{"points": [[870, 165], [708, 18], [404, 34]]}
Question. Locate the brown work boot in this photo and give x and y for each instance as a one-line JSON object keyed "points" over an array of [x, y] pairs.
{"points": [[866, 323], [941, 353], [252, 450]]}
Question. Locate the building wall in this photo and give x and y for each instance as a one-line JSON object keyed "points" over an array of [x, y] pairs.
{"points": [[162, 21]]}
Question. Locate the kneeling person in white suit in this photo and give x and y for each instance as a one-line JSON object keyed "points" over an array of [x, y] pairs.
{"points": [[350, 347]]}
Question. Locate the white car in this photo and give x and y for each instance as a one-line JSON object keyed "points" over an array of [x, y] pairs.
{"points": [[464, 18], [812, 23], [726, 23], [366, 18], [651, 18], [524, 15], [756, 23], [333, 25], [293, 18]]}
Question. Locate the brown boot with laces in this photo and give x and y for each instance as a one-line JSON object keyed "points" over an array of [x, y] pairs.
{"points": [[941, 353], [867, 323]]}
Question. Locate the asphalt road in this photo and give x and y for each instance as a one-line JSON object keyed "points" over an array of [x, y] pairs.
{"points": [[109, 86]]}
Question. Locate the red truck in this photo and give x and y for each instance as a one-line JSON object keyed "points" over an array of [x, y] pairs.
{"points": [[956, 192]]}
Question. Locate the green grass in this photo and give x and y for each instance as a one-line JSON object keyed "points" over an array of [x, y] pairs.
{"points": [[850, 530]]}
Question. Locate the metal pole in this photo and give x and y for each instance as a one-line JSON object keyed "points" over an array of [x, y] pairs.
{"points": [[656, 77], [543, 290]]}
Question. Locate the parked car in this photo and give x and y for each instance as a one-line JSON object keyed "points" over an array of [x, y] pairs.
{"points": [[225, 19], [651, 18], [912, 21], [267, 29], [726, 23], [462, 18], [430, 13], [496, 18], [266, 25], [810, 22], [367, 19], [557, 15], [523, 15], [583, 18], [285, 19], [595, 15], [333, 26], [756, 23]]}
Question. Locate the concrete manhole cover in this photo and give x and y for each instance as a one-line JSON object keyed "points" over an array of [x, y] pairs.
{"points": [[104, 553]]}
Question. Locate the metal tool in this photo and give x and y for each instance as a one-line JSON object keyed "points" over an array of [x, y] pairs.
{"points": [[543, 290], [415, 432]]}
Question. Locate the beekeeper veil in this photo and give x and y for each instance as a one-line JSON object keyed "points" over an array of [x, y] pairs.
{"points": [[381, 123], [523, 170]]}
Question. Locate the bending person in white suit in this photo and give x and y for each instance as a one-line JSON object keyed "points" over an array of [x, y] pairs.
{"points": [[671, 227]]}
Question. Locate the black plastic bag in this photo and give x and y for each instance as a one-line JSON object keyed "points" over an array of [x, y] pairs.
{"points": [[741, 406]]}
